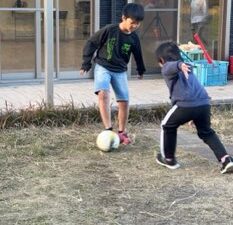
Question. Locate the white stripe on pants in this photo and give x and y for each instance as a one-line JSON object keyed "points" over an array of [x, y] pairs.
{"points": [[164, 121]]}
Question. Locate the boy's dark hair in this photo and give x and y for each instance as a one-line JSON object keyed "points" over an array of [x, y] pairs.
{"points": [[133, 11], [168, 51]]}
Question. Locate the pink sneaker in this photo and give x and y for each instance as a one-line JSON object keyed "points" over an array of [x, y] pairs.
{"points": [[124, 139]]}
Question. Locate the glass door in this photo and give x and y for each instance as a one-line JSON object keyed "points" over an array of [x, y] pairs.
{"points": [[77, 31], [17, 39], [75, 27], [160, 24], [22, 37], [211, 29]]}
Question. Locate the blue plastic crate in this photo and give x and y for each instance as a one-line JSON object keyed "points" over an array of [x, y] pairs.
{"points": [[214, 74], [196, 54], [193, 55]]}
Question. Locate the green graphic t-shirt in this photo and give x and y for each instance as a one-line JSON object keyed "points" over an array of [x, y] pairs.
{"points": [[113, 50]]}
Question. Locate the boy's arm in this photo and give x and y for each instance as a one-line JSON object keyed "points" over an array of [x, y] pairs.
{"points": [[170, 69], [137, 52], [92, 44]]}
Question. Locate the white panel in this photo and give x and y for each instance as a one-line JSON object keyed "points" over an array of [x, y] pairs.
{"points": [[228, 24], [97, 15]]}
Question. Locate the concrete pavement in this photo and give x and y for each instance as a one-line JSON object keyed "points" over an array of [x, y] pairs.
{"points": [[143, 93]]}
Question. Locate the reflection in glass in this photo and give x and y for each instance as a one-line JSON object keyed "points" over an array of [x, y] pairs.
{"points": [[209, 32], [17, 3], [159, 24], [17, 42], [155, 4], [17, 35], [74, 28], [74, 31]]}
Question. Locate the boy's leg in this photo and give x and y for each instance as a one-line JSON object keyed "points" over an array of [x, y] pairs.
{"points": [[175, 117], [194, 30], [207, 134], [102, 89], [168, 135], [104, 107], [123, 114], [120, 86]]}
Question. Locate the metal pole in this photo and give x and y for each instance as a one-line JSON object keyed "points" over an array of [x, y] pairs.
{"points": [[49, 50], [1, 54], [178, 21], [57, 41], [38, 39], [97, 15], [228, 28], [91, 17]]}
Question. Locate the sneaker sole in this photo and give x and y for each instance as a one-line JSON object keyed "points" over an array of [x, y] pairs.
{"points": [[228, 168], [168, 166]]}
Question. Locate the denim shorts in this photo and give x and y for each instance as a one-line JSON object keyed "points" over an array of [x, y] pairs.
{"points": [[119, 82]]}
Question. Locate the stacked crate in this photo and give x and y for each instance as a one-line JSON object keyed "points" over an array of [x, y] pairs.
{"points": [[214, 74]]}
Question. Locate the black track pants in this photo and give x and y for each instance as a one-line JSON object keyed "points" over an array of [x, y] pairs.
{"points": [[177, 116]]}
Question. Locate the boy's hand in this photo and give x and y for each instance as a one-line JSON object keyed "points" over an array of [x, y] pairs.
{"points": [[140, 77], [160, 64], [185, 69], [191, 124], [82, 72]]}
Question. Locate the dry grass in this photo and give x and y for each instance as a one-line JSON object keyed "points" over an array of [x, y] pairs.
{"points": [[67, 115], [43, 116], [222, 120], [56, 175]]}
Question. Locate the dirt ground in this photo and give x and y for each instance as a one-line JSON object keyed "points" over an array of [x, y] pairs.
{"points": [[57, 176]]}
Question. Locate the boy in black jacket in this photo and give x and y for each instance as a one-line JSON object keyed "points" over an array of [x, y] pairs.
{"points": [[190, 103], [113, 46]]}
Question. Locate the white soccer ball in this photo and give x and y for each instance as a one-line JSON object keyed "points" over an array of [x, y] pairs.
{"points": [[107, 140]]}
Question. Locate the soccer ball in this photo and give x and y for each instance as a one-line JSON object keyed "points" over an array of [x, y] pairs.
{"points": [[107, 140]]}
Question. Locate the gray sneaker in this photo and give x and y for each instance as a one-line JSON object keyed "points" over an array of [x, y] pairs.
{"points": [[171, 164], [227, 166]]}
